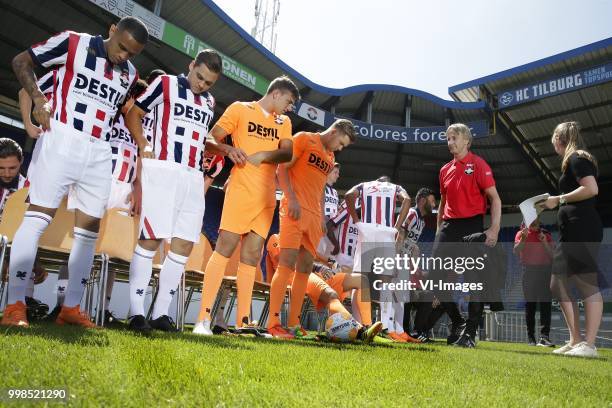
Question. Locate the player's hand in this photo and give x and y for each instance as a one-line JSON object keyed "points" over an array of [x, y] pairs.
{"points": [[256, 158], [32, 130], [548, 204], [134, 199], [491, 237], [238, 156], [335, 250], [42, 113], [524, 233], [147, 152], [294, 209]]}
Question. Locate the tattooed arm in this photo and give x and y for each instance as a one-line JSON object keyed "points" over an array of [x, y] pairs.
{"points": [[23, 66]]}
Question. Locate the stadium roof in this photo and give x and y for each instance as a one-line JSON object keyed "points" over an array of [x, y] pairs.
{"points": [[412, 165], [572, 86]]}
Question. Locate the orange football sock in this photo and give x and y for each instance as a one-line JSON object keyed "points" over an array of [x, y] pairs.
{"points": [[245, 279], [213, 276], [298, 290], [278, 287]]}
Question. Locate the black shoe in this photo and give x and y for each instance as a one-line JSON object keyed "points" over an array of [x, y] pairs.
{"points": [[219, 329], [111, 321], [51, 317], [423, 337], [35, 309], [139, 324], [465, 341], [531, 341], [456, 332], [164, 323], [545, 342]]}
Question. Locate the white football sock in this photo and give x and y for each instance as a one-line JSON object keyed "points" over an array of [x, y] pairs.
{"points": [[79, 265], [29, 291], [141, 268], [23, 253], [169, 277]]}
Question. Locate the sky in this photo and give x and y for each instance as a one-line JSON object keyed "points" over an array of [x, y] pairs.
{"points": [[427, 45]]}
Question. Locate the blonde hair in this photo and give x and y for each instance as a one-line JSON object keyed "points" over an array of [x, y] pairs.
{"points": [[462, 130], [568, 134]]}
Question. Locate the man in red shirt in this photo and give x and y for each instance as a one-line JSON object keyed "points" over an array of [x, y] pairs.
{"points": [[534, 246], [466, 184]]}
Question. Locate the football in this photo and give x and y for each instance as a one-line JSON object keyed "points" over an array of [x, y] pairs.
{"points": [[341, 328]]}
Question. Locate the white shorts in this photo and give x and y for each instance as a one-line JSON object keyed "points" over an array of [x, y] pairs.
{"points": [[70, 159], [369, 236], [324, 249], [345, 260], [119, 194], [172, 201], [34, 159]]}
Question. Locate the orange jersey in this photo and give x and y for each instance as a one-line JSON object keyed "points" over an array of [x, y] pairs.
{"points": [[308, 174], [254, 131]]}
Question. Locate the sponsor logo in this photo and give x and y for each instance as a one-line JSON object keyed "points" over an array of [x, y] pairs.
{"points": [[506, 98], [319, 163], [263, 132], [192, 113], [312, 113], [94, 87]]}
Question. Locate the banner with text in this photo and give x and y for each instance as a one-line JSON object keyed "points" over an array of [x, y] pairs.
{"points": [[181, 40], [388, 133], [555, 86]]}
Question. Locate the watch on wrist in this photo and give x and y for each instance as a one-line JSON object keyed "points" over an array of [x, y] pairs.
{"points": [[562, 200], [148, 149]]}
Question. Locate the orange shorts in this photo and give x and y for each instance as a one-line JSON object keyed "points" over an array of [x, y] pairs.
{"points": [[242, 215], [316, 286], [304, 232]]}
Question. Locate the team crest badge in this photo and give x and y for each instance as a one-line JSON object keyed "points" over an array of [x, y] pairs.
{"points": [[278, 120], [124, 78], [469, 169]]}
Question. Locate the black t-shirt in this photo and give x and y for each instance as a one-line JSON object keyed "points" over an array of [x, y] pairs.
{"points": [[577, 168]]}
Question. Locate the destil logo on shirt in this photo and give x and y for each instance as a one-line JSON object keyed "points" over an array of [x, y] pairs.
{"points": [[262, 132], [191, 113], [314, 160], [118, 133], [98, 90]]}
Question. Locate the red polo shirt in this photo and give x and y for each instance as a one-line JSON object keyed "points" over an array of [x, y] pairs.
{"points": [[462, 183], [533, 252]]}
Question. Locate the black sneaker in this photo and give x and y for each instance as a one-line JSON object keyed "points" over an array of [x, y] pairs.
{"points": [[139, 324], [51, 317], [423, 337], [367, 333], [465, 341], [545, 342], [164, 323], [456, 332], [111, 321], [35, 309], [531, 341], [217, 329]]}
